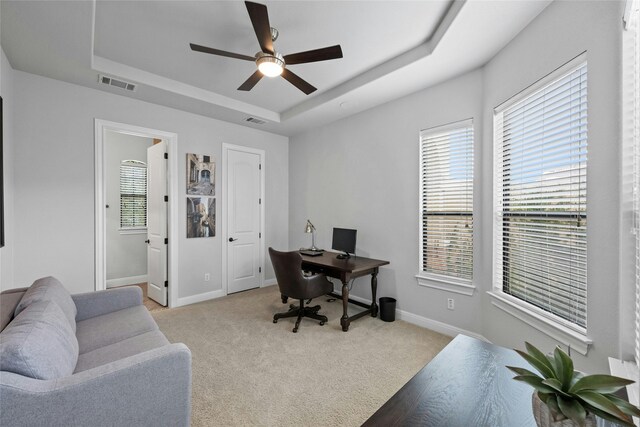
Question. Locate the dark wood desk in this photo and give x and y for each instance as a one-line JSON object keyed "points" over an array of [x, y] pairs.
{"points": [[466, 384], [345, 270]]}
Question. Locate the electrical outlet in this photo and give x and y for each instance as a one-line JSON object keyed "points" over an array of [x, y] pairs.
{"points": [[207, 277], [450, 303]]}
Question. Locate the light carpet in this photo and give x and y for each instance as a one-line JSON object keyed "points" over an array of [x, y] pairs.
{"points": [[248, 371]]}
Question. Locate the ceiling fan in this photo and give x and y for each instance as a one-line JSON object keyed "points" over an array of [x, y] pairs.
{"points": [[271, 63]]}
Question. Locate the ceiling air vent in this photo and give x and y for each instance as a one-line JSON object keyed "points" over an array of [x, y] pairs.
{"points": [[117, 83], [256, 121]]}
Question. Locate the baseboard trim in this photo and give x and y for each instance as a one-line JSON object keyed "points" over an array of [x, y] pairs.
{"points": [[269, 282], [425, 322], [200, 297], [124, 281]]}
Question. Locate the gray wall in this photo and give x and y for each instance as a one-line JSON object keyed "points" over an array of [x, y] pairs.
{"points": [[126, 253], [362, 172], [7, 91], [54, 181]]}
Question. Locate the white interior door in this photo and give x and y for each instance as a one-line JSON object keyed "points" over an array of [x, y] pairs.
{"points": [[157, 222], [244, 186]]}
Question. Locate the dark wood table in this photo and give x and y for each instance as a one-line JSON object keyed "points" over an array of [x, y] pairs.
{"points": [[345, 270], [466, 384]]}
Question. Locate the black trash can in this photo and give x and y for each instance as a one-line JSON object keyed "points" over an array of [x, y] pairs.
{"points": [[388, 309]]}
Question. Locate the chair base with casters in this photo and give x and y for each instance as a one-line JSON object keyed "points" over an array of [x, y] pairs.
{"points": [[300, 312]]}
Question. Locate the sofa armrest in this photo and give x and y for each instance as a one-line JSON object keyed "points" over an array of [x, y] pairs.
{"points": [[92, 304], [150, 388]]}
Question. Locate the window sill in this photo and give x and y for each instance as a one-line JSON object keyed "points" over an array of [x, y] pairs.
{"points": [[132, 231], [535, 318], [444, 283]]}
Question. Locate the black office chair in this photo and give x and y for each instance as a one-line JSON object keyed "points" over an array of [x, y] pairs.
{"points": [[288, 269]]}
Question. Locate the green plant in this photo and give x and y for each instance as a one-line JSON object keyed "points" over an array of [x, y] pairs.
{"points": [[571, 394]]}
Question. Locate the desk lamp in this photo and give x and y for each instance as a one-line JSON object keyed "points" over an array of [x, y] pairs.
{"points": [[310, 228]]}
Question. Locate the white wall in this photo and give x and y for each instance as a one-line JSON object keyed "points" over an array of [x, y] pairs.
{"points": [[6, 91], [362, 172], [54, 184], [126, 253]]}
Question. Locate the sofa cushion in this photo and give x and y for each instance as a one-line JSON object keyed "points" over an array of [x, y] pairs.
{"points": [[39, 343], [110, 328], [50, 288], [120, 350]]}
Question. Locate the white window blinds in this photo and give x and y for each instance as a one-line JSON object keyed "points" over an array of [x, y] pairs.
{"points": [[133, 194], [633, 28], [540, 196], [447, 200]]}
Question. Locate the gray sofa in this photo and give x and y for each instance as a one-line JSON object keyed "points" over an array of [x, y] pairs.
{"points": [[92, 359]]}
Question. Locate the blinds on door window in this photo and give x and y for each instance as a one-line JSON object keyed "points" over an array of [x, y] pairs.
{"points": [[133, 194], [447, 200], [540, 196]]}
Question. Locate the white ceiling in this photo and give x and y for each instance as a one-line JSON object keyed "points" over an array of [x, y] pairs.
{"points": [[391, 48]]}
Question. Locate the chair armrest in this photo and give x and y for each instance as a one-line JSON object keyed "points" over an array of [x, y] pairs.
{"points": [[92, 304], [150, 388]]}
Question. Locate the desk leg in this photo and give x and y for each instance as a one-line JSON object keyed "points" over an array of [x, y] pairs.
{"points": [[344, 320], [374, 289]]}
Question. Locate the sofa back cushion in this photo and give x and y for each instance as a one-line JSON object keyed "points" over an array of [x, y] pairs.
{"points": [[50, 289], [39, 343]]}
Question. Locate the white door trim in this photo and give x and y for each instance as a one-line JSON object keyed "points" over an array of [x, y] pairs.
{"points": [[101, 126], [225, 211]]}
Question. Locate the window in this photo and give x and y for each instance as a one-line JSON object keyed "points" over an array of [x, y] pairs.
{"points": [[540, 186], [446, 168], [133, 194], [633, 91]]}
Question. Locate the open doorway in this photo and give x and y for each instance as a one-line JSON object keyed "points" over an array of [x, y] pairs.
{"points": [[125, 180], [133, 211]]}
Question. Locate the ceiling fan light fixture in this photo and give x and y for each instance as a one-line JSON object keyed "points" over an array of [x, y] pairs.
{"points": [[270, 65]]}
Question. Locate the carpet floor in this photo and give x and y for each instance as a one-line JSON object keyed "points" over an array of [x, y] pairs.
{"points": [[248, 371]]}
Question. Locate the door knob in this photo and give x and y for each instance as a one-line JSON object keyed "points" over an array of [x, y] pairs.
{"points": [[147, 241], [231, 239]]}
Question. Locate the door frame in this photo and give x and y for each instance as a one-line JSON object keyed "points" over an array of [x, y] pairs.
{"points": [[101, 126], [225, 211]]}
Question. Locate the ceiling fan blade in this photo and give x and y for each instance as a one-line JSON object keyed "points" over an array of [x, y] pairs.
{"points": [[324, 54], [298, 82], [260, 20], [219, 52], [251, 81]]}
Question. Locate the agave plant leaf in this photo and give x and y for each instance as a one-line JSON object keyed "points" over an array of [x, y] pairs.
{"points": [[544, 362], [546, 396], [552, 403], [577, 375], [544, 367], [567, 367], [600, 383], [606, 416], [598, 401], [624, 406], [522, 371], [535, 382], [556, 386], [571, 408]]}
